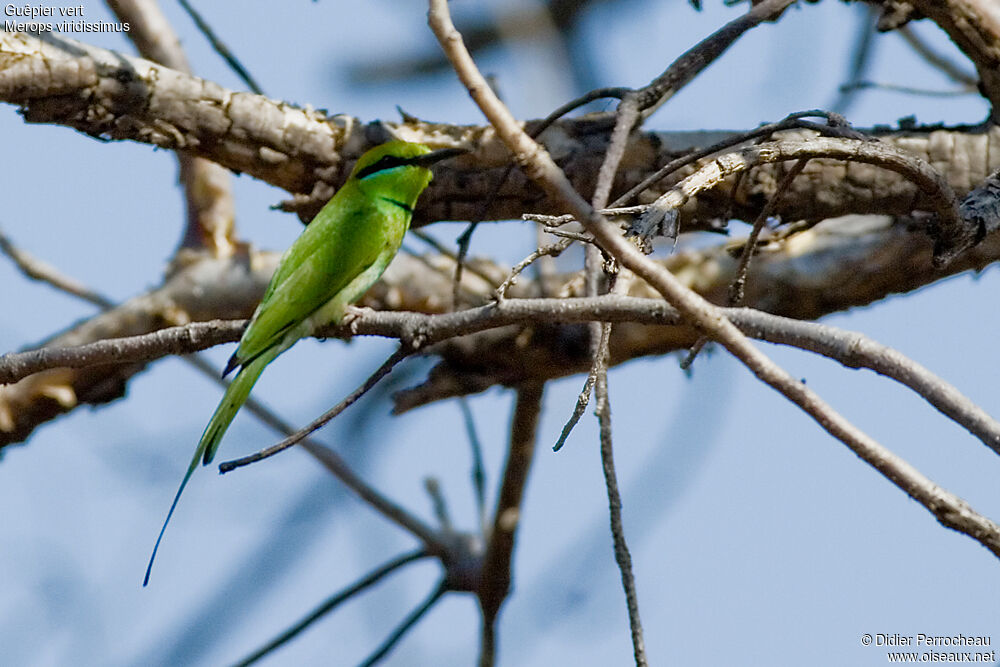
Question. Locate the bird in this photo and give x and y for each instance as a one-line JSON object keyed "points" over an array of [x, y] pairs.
{"points": [[341, 254]]}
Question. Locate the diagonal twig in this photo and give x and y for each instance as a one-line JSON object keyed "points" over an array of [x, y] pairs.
{"points": [[332, 603], [37, 269], [383, 370], [405, 626], [220, 47]]}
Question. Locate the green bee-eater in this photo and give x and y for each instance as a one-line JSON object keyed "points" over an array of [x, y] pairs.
{"points": [[342, 252]]}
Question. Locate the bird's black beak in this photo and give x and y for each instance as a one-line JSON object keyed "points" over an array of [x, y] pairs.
{"points": [[427, 159]]}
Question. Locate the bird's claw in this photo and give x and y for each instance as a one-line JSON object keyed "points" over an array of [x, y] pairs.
{"points": [[352, 314]]}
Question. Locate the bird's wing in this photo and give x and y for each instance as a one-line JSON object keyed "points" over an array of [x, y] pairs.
{"points": [[325, 259]]}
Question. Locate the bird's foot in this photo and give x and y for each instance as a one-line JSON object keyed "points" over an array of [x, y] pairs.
{"points": [[351, 316]]}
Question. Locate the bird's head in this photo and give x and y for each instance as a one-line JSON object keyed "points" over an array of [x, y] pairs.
{"points": [[399, 169]]}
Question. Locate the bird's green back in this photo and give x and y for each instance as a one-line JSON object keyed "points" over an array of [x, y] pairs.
{"points": [[367, 217]]}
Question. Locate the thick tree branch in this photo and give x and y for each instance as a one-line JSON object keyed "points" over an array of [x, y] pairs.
{"points": [[114, 96], [207, 188]]}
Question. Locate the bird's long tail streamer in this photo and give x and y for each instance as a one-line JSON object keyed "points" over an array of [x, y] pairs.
{"points": [[234, 398]]}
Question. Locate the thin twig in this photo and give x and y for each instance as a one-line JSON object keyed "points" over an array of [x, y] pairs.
{"points": [[936, 60], [553, 250], [478, 468], [37, 269], [220, 47], [552, 221], [735, 297], [626, 119], [622, 556], [735, 294], [581, 406], [433, 488], [405, 626], [332, 603], [584, 398], [322, 420]]}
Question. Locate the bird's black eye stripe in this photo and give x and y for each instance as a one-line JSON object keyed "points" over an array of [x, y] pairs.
{"points": [[383, 163]]}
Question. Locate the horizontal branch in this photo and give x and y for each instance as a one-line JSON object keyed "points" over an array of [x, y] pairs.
{"points": [[119, 97], [418, 330]]}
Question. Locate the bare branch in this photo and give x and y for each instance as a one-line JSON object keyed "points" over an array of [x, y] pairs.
{"points": [[622, 556], [37, 269], [953, 235], [851, 349], [496, 569], [115, 96], [207, 187], [297, 437], [551, 250], [331, 603], [405, 626], [974, 25]]}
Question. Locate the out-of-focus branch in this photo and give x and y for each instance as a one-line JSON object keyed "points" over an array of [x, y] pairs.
{"points": [[331, 603], [220, 47], [974, 25], [937, 60], [37, 269], [207, 191], [496, 570]]}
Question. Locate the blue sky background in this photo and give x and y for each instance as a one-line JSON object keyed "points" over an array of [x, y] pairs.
{"points": [[756, 538]]}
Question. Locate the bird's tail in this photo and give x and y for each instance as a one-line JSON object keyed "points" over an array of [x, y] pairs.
{"points": [[234, 398]]}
